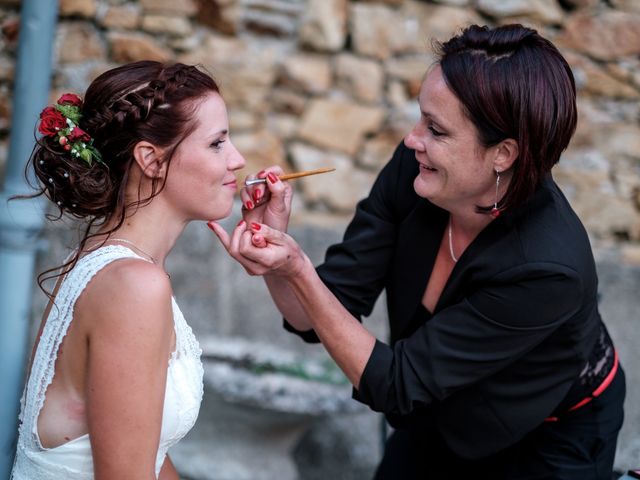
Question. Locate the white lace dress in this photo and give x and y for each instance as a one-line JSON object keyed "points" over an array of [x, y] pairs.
{"points": [[73, 460]]}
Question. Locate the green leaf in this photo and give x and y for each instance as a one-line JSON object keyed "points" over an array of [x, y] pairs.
{"points": [[86, 155], [71, 112]]}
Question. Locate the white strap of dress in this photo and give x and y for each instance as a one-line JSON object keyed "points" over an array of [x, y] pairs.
{"points": [[54, 331]]}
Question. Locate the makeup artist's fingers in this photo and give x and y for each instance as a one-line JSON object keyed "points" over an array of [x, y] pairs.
{"points": [[271, 235], [231, 245], [254, 196], [245, 197], [221, 233], [281, 254], [236, 237], [258, 191], [279, 206], [258, 240], [249, 194]]}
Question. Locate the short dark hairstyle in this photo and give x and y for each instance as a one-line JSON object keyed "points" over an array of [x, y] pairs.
{"points": [[513, 83]]}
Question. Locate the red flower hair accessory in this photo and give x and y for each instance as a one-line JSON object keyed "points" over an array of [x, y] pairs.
{"points": [[60, 122]]}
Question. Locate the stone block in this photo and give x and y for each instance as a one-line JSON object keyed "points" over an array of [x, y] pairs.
{"points": [[339, 191], [221, 16], [286, 101], [410, 70], [391, 3], [130, 47], [5, 108], [260, 149], [546, 11], [282, 125], [182, 7], [585, 177], [582, 3], [631, 254], [593, 79], [378, 150], [268, 23], [306, 73], [361, 78], [241, 119], [82, 8], [79, 42], [339, 125], [609, 35], [245, 71], [7, 68], [454, 3], [396, 94], [324, 25], [345, 447], [375, 30], [172, 25], [625, 5], [121, 17], [248, 86], [259, 401], [436, 22], [9, 33]]}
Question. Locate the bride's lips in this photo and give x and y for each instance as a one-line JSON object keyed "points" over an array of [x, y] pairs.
{"points": [[231, 183]]}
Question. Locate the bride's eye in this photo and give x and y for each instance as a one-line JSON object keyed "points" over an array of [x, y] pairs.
{"points": [[217, 145]]}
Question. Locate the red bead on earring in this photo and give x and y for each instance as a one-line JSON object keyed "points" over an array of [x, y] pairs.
{"points": [[495, 213]]}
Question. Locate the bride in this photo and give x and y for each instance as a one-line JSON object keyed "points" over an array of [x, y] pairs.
{"points": [[116, 376]]}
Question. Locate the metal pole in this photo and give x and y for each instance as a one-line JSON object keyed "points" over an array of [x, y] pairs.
{"points": [[21, 220]]}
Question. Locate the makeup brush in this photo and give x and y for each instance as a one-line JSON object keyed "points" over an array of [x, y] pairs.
{"points": [[290, 176]]}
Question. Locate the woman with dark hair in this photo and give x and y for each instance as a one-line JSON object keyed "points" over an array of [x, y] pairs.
{"points": [[116, 376], [499, 365]]}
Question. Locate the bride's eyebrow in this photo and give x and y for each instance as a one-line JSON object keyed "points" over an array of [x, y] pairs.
{"points": [[218, 134]]}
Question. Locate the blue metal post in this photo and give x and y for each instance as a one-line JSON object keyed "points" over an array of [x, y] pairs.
{"points": [[21, 220]]}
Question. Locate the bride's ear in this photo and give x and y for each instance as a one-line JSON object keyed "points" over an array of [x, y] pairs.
{"points": [[150, 159]]}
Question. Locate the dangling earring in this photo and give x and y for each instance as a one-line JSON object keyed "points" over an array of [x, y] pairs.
{"points": [[495, 212]]}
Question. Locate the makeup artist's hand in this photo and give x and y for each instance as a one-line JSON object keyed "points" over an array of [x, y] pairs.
{"points": [[262, 250], [268, 203]]}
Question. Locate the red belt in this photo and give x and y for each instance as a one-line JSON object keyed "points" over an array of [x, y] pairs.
{"points": [[597, 392]]}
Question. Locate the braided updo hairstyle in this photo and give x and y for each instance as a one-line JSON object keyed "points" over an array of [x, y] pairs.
{"points": [[140, 101]]}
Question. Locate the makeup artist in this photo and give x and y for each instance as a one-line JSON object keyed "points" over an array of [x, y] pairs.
{"points": [[498, 365]]}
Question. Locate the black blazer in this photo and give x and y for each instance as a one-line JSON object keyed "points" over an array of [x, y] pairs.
{"points": [[511, 331]]}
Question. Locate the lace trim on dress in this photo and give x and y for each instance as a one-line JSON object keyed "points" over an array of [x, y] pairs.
{"points": [[183, 394], [54, 331]]}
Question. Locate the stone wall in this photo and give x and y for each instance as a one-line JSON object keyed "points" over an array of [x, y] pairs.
{"points": [[333, 82], [314, 83]]}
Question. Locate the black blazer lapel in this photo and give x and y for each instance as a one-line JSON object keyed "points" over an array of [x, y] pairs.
{"points": [[418, 242]]}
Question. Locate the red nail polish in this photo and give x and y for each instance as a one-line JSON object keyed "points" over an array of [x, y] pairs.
{"points": [[256, 195], [210, 226], [255, 226], [249, 204], [240, 223], [272, 178], [261, 174]]}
